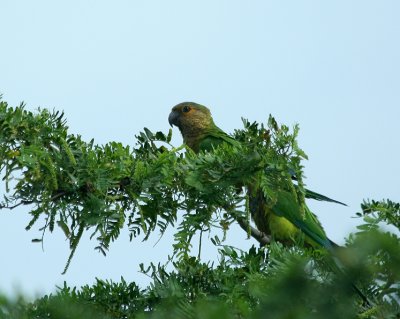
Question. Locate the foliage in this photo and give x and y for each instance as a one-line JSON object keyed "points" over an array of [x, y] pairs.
{"points": [[385, 211], [80, 186], [278, 283]]}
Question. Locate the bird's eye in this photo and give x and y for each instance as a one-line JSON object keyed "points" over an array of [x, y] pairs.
{"points": [[186, 109]]}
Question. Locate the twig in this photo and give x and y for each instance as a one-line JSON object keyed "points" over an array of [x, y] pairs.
{"points": [[262, 238], [24, 202], [28, 202]]}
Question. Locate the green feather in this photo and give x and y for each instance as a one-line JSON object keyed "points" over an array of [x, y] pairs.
{"points": [[287, 217], [313, 195], [286, 206], [213, 138]]}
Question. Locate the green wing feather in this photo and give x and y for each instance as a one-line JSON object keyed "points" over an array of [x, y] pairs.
{"points": [[214, 137], [286, 205]]}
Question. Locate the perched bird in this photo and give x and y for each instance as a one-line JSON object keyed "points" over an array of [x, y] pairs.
{"points": [[285, 221]]}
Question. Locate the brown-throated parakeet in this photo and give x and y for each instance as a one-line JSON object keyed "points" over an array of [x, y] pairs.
{"points": [[285, 221]]}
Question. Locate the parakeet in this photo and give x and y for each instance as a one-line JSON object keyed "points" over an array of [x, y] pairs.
{"points": [[284, 221]]}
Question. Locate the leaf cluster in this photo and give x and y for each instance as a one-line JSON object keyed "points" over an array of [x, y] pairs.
{"points": [[80, 186], [278, 283]]}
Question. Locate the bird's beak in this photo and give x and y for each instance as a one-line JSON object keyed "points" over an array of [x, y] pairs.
{"points": [[173, 118]]}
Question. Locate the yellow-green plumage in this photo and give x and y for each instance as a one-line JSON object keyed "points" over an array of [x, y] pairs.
{"points": [[266, 221], [284, 221]]}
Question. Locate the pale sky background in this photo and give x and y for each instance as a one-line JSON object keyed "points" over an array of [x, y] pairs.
{"points": [[115, 67]]}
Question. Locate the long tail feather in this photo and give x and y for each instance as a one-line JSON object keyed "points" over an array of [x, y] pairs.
{"points": [[316, 196]]}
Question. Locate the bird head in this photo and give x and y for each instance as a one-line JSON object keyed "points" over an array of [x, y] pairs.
{"points": [[191, 118]]}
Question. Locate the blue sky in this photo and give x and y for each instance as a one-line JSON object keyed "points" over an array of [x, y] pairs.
{"points": [[116, 67]]}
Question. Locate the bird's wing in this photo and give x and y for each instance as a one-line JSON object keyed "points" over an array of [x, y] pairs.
{"points": [[288, 207], [215, 137]]}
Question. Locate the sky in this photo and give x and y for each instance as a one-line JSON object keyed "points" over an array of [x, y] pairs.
{"points": [[115, 67]]}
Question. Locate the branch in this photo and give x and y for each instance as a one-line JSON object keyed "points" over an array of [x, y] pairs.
{"points": [[24, 202], [28, 202], [262, 238]]}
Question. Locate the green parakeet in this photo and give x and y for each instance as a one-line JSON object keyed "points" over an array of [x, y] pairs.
{"points": [[285, 221]]}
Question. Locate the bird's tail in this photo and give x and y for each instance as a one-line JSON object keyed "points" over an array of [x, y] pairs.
{"points": [[313, 195]]}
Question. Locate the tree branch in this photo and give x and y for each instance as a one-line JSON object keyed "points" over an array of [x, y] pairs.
{"points": [[28, 202], [262, 238], [24, 202]]}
